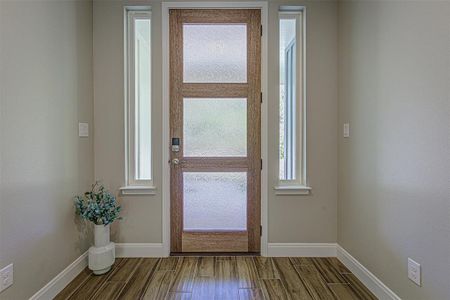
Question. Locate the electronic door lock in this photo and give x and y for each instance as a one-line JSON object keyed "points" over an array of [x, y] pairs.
{"points": [[175, 144]]}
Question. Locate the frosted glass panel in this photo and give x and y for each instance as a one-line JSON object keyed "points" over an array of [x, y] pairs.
{"points": [[215, 53], [215, 201], [215, 127], [142, 102]]}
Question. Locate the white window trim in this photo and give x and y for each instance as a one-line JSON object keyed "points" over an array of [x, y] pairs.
{"points": [[133, 186], [298, 186], [138, 190], [292, 190]]}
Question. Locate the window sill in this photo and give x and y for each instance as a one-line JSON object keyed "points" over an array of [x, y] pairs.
{"points": [[292, 190], [137, 190]]}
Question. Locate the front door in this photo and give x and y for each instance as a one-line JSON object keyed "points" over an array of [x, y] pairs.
{"points": [[215, 116]]}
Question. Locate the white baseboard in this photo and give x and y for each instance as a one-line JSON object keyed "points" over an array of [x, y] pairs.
{"points": [[302, 249], [140, 250], [375, 285], [57, 284]]}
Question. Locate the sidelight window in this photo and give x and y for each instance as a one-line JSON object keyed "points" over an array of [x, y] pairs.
{"points": [[138, 94], [291, 98]]}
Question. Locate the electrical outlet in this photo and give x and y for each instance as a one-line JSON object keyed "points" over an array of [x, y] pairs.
{"points": [[6, 277], [414, 271]]}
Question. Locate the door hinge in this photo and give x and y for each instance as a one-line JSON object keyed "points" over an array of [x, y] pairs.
{"points": [[261, 30], [260, 230], [261, 97], [261, 163]]}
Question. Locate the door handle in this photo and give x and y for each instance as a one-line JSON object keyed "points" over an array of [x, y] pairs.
{"points": [[175, 161]]}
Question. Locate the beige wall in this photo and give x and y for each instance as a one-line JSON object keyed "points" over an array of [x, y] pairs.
{"points": [[142, 215], [394, 170], [313, 218], [46, 88], [394, 78], [291, 219]]}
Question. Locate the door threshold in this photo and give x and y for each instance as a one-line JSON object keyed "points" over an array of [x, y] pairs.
{"points": [[215, 254]]}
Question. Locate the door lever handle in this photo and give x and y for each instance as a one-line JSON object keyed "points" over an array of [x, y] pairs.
{"points": [[175, 161]]}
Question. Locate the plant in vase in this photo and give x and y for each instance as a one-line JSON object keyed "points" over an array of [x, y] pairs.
{"points": [[99, 207]]}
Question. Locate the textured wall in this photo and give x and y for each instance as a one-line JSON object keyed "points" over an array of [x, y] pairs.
{"points": [[394, 170], [46, 88], [291, 219]]}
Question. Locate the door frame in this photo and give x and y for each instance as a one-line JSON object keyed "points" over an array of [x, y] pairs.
{"points": [[166, 6]]}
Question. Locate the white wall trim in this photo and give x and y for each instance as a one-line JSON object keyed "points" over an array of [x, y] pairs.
{"points": [[375, 285], [137, 190], [263, 5], [140, 250], [302, 249], [60, 281], [290, 190]]}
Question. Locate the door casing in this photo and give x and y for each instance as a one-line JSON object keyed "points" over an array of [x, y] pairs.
{"points": [[166, 6], [213, 241]]}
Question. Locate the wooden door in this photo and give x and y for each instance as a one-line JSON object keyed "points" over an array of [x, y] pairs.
{"points": [[215, 125]]}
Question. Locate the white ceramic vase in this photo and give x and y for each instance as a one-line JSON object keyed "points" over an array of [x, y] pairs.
{"points": [[102, 254], [101, 235]]}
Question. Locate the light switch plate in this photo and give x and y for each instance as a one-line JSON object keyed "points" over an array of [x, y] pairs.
{"points": [[83, 129], [6, 277], [346, 130], [414, 271]]}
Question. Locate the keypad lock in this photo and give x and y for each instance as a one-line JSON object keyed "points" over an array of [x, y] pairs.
{"points": [[175, 144]]}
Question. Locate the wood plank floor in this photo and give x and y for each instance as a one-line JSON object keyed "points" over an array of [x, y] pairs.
{"points": [[220, 277]]}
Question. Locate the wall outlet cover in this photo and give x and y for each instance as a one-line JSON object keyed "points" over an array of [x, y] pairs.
{"points": [[414, 271], [83, 129], [346, 130]]}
